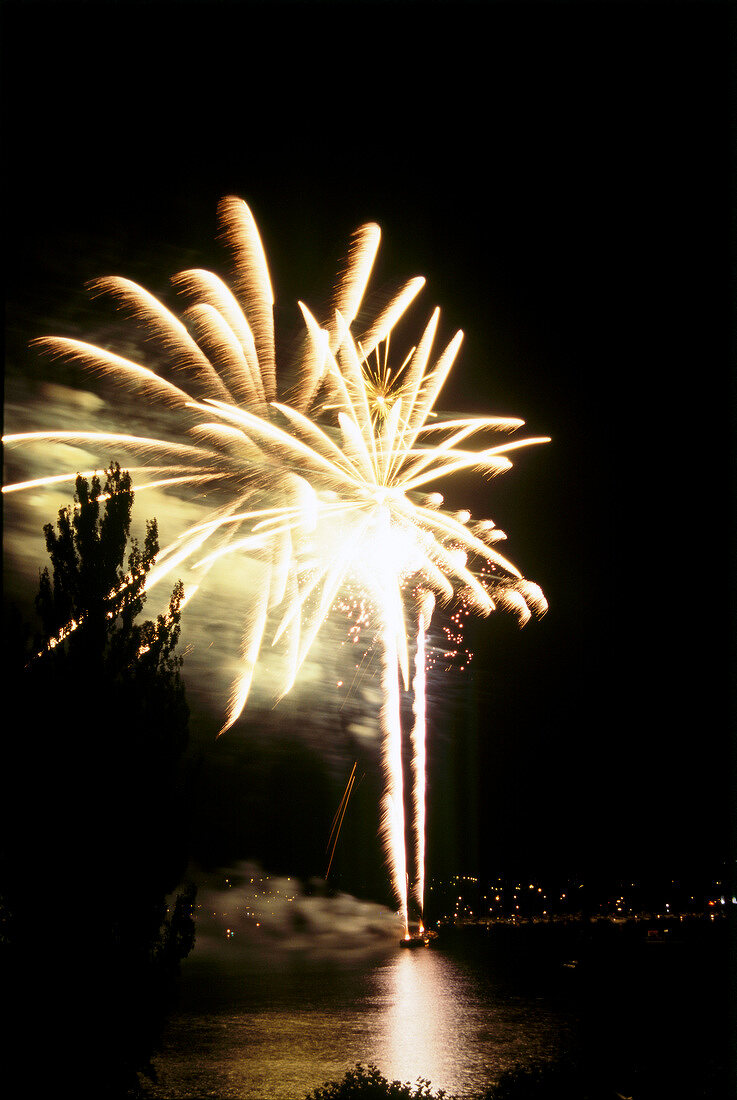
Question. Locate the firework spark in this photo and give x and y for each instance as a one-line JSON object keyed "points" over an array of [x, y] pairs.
{"points": [[326, 485]]}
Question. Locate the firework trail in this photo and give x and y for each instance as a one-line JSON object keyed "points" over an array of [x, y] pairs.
{"points": [[338, 819], [419, 729], [324, 486]]}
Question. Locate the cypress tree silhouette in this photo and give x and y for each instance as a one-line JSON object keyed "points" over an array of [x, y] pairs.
{"points": [[96, 805]]}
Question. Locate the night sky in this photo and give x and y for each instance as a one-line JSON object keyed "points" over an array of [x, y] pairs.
{"points": [[560, 173]]}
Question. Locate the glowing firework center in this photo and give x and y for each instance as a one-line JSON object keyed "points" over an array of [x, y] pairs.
{"points": [[325, 486]]}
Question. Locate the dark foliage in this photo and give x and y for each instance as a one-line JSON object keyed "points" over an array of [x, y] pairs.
{"points": [[538, 1080], [94, 807], [367, 1083], [534, 1080]]}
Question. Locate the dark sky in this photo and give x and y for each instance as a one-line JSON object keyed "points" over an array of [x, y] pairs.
{"points": [[560, 173]]}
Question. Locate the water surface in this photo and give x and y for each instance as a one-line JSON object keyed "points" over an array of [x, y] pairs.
{"points": [[278, 1030], [285, 991]]}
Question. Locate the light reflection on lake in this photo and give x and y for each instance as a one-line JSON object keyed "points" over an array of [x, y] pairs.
{"points": [[275, 1031], [444, 1022]]}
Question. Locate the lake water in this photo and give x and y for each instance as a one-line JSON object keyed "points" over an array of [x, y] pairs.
{"points": [[270, 1016], [279, 1031]]}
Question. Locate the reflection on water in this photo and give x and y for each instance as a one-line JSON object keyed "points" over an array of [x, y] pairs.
{"points": [[422, 998], [276, 1031], [447, 1022]]}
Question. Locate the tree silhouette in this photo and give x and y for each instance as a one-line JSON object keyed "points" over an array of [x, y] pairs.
{"points": [[95, 836], [367, 1083]]}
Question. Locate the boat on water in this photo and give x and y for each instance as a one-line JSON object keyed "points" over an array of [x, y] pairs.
{"points": [[662, 935], [418, 939]]}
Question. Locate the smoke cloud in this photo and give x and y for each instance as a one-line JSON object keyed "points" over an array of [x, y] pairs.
{"points": [[244, 912]]}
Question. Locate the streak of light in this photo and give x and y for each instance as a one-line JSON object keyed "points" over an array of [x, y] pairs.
{"points": [[338, 819]]}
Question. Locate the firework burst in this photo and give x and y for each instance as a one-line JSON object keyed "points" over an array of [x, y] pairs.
{"points": [[328, 485]]}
